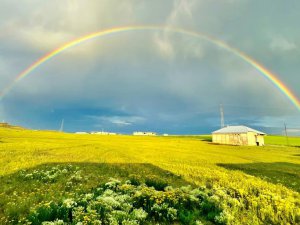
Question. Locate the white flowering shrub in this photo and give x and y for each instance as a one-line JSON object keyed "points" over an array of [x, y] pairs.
{"points": [[56, 222], [124, 203], [112, 184], [52, 174], [139, 214], [69, 203], [224, 218]]}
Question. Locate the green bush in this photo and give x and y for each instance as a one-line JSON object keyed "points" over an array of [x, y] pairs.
{"points": [[135, 179], [156, 182], [124, 203]]}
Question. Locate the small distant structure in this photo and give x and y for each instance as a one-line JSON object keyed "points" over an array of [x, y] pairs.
{"points": [[165, 134], [238, 135], [3, 124], [7, 125], [142, 133], [103, 133]]}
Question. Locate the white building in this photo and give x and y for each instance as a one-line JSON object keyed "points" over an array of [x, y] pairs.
{"points": [[103, 133], [238, 135], [142, 133]]}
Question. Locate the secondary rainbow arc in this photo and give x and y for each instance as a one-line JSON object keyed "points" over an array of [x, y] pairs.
{"points": [[263, 71]]}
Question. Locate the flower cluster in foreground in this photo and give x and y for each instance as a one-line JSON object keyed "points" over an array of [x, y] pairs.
{"points": [[124, 203]]}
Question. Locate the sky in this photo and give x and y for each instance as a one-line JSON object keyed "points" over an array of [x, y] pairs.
{"points": [[151, 80]]}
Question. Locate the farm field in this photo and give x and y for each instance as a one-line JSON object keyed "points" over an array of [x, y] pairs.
{"points": [[48, 176], [282, 140]]}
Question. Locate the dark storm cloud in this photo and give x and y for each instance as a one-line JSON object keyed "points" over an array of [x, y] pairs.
{"points": [[148, 80]]}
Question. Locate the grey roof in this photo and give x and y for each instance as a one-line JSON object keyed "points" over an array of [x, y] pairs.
{"points": [[236, 129]]}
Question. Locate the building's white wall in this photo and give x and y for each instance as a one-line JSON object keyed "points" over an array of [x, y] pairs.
{"points": [[255, 139], [261, 140], [249, 138]]}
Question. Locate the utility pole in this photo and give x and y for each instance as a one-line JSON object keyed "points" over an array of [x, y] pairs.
{"points": [[62, 126], [222, 116], [286, 135]]}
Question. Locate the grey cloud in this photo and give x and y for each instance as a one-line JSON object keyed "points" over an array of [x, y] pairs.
{"points": [[282, 44], [160, 80], [118, 120]]}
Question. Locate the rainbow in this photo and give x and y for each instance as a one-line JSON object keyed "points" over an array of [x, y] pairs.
{"points": [[263, 71]]}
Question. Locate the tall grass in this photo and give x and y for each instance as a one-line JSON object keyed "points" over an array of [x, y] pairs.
{"points": [[243, 198]]}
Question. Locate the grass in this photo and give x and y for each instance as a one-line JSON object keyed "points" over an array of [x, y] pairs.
{"points": [[287, 174], [77, 178], [250, 184], [282, 140]]}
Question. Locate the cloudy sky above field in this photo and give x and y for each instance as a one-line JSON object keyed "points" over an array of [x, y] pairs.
{"points": [[149, 80]]}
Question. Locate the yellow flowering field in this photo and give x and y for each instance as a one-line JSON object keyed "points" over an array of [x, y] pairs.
{"points": [[247, 185]]}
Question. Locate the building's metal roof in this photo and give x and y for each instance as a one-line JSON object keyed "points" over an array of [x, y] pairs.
{"points": [[236, 130]]}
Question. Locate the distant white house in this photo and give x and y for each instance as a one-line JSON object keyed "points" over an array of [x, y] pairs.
{"points": [[103, 133], [142, 133], [238, 135], [80, 132]]}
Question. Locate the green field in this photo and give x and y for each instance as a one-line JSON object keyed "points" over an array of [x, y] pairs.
{"points": [[281, 140], [47, 176]]}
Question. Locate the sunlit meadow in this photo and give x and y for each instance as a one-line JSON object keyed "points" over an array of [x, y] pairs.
{"points": [[237, 185]]}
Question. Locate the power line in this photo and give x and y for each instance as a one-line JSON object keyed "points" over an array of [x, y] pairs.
{"points": [[62, 126], [286, 135], [222, 116]]}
